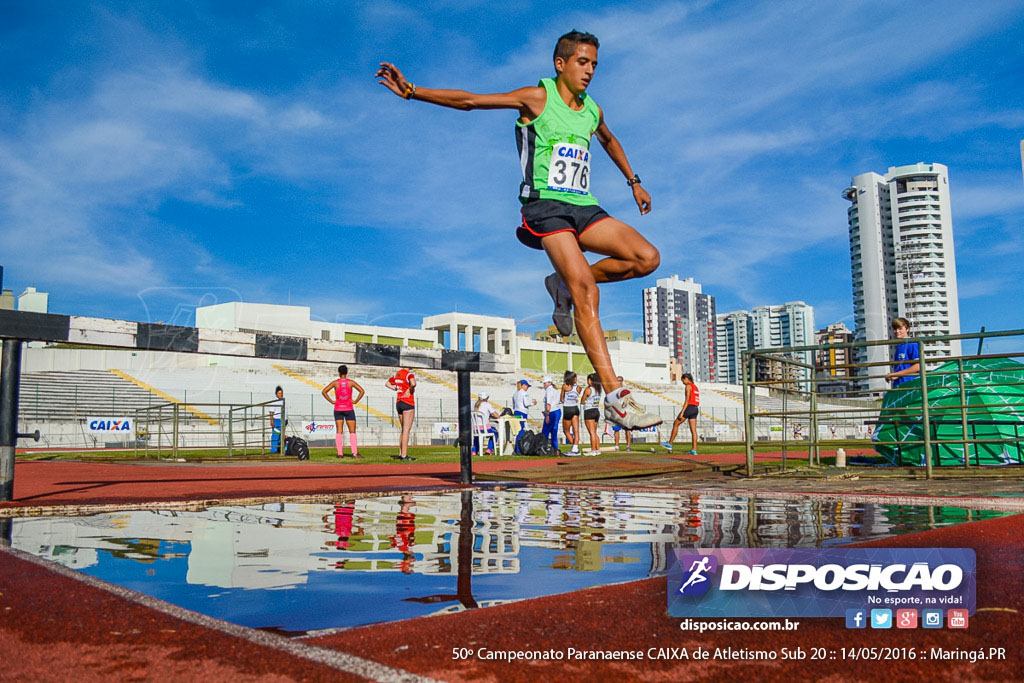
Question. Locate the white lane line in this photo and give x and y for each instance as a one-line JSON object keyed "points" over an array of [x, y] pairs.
{"points": [[341, 661]]}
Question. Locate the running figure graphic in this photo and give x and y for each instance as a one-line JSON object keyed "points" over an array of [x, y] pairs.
{"points": [[697, 570]]}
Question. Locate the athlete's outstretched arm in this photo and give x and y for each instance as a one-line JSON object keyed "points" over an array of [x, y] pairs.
{"points": [[612, 145], [529, 101]]}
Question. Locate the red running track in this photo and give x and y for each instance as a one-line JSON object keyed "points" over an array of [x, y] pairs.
{"points": [[53, 627]]}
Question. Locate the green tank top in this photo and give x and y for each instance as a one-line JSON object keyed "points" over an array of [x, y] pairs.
{"points": [[554, 150]]}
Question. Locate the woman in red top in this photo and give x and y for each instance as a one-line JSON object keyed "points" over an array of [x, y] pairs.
{"points": [[344, 409], [404, 384], [688, 413]]}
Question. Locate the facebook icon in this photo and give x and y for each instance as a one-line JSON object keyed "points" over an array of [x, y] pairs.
{"points": [[856, 618]]}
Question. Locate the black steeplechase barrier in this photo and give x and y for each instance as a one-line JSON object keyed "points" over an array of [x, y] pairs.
{"points": [[17, 327]]}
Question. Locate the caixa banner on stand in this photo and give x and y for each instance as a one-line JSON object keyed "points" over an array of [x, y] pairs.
{"points": [[817, 582], [110, 425]]}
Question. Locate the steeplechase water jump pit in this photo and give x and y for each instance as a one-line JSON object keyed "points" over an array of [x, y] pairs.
{"points": [[303, 569]]}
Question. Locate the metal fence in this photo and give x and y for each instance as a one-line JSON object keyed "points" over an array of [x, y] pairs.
{"points": [[955, 410], [162, 429]]}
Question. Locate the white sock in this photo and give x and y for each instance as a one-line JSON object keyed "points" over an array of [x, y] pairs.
{"points": [[614, 396]]}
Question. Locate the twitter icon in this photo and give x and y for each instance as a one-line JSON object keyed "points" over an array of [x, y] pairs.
{"points": [[881, 618]]}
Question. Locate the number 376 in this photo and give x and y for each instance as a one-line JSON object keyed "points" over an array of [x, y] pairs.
{"points": [[578, 171]]}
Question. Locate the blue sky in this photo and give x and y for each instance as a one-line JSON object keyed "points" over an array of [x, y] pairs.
{"points": [[161, 155]]}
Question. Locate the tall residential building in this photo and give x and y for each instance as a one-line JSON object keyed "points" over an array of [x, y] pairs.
{"points": [[735, 334], [677, 314], [829, 362], [901, 254], [790, 324]]}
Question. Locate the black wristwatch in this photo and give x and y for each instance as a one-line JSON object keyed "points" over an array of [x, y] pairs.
{"points": [[635, 180]]}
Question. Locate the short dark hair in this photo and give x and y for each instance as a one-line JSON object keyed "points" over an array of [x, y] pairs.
{"points": [[278, 388], [688, 376], [569, 377], [566, 45], [342, 369]]}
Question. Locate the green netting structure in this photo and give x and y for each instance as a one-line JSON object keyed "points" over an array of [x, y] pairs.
{"points": [[994, 396]]}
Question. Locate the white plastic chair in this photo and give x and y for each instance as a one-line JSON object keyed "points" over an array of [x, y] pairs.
{"points": [[481, 435]]}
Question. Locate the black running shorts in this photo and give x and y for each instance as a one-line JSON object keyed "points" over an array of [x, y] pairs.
{"points": [[691, 412], [591, 414], [402, 406], [349, 415], [543, 217], [569, 412]]}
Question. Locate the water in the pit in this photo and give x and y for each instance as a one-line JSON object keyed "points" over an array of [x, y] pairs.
{"points": [[305, 567]]}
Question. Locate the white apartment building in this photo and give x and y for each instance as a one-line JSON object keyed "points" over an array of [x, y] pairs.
{"points": [[902, 259], [34, 301], [677, 314], [735, 334], [786, 325]]}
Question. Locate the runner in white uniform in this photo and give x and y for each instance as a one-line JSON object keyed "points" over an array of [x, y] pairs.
{"points": [[592, 410], [571, 412]]}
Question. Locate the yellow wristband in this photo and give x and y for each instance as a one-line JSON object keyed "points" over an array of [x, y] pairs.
{"points": [[410, 90]]}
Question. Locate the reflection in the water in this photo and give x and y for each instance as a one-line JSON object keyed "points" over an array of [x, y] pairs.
{"points": [[531, 535]]}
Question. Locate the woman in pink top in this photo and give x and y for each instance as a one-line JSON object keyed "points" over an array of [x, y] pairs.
{"points": [[344, 409]]}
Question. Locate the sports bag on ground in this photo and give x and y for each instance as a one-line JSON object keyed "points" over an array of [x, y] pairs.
{"points": [[293, 445]]}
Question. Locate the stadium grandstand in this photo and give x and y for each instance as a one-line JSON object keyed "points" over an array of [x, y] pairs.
{"points": [[64, 390], [67, 391]]}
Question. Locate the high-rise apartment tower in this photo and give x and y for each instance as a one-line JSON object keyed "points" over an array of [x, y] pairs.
{"points": [[902, 260], [677, 314]]}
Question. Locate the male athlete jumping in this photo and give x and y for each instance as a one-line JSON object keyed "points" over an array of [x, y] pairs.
{"points": [[557, 119]]}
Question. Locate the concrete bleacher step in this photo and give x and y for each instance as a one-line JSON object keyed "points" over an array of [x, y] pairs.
{"points": [[83, 393]]}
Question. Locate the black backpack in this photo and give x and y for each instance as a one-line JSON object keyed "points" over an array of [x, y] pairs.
{"points": [[531, 443], [293, 445]]}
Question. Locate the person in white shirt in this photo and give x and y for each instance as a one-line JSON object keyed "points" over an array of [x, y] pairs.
{"points": [[571, 411], [552, 412], [521, 406], [485, 413], [275, 411]]}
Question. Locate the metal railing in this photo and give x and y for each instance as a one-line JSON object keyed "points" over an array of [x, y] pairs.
{"points": [[241, 428], [975, 402]]}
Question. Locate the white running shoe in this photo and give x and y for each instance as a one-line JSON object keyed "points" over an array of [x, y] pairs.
{"points": [[593, 453], [624, 411]]}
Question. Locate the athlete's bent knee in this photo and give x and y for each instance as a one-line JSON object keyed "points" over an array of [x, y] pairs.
{"points": [[647, 261], [584, 293]]}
